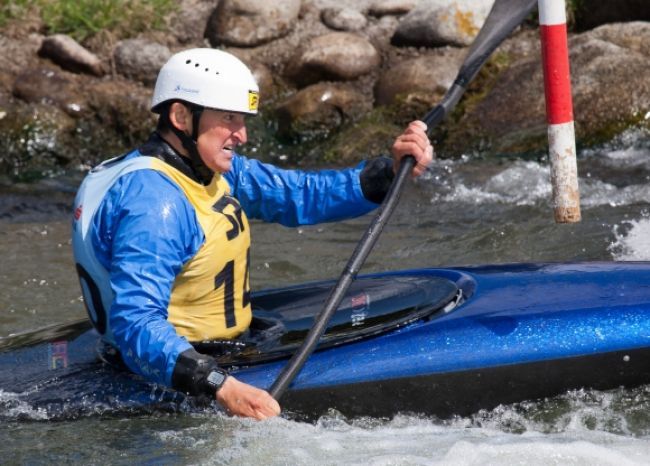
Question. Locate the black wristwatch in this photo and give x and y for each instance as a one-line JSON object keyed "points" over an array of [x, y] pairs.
{"points": [[216, 378]]}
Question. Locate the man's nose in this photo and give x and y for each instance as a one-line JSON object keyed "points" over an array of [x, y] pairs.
{"points": [[241, 134]]}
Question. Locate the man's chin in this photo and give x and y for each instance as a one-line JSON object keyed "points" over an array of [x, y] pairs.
{"points": [[223, 167]]}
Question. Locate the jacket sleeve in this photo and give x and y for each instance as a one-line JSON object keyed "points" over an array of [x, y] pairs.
{"points": [[144, 232], [297, 197]]}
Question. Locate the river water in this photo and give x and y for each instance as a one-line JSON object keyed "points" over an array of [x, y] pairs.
{"points": [[466, 211]]}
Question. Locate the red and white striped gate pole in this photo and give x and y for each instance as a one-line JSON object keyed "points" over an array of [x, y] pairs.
{"points": [[559, 111]]}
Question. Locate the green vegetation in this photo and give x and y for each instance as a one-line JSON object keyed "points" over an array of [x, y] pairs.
{"points": [[572, 8], [14, 9], [82, 19]]}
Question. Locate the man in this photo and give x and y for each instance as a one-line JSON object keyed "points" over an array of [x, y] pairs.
{"points": [[161, 236]]}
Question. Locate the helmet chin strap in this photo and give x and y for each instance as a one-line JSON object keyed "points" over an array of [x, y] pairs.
{"points": [[203, 173]]}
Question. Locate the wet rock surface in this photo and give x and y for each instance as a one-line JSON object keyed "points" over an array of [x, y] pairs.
{"points": [[319, 109], [337, 81]]}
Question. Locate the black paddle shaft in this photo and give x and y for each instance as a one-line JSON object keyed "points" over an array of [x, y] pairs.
{"points": [[504, 17]]}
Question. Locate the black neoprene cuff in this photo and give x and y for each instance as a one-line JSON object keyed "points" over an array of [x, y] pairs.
{"points": [[191, 371], [376, 178]]}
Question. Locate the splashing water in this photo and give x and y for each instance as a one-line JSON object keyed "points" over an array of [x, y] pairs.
{"points": [[632, 240]]}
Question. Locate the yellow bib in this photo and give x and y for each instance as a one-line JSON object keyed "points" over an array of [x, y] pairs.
{"points": [[211, 296]]}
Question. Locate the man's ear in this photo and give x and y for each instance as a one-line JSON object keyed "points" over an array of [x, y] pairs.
{"points": [[181, 117]]}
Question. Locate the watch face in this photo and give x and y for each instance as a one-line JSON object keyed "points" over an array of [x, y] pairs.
{"points": [[216, 378]]}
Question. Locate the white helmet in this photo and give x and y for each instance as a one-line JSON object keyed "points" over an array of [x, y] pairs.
{"points": [[207, 77]]}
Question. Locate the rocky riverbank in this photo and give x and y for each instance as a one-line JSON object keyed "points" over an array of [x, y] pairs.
{"points": [[337, 82]]}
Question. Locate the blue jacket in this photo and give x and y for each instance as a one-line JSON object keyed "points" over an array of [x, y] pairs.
{"points": [[143, 230]]}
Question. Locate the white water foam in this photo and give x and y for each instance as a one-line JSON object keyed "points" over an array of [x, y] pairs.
{"points": [[528, 183], [409, 440], [12, 407], [632, 240], [580, 428], [523, 183]]}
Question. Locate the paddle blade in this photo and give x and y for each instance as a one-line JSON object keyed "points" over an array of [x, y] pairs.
{"points": [[504, 17]]}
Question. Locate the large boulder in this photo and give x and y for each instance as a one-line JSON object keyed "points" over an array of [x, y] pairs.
{"points": [[609, 69], [140, 59], [338, 56], [434, 23], [425, 78], [247, 23]]}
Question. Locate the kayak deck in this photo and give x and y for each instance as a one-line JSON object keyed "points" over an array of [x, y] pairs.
{"points": [[373, 305]]}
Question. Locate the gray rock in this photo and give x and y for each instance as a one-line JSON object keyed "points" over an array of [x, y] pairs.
{"points": [[247, 23], [70, 55], [425, 78], [343, 19], [318, 109], [140, 59], [391, 7], [189, 22], [434, 23], [338, 56]]}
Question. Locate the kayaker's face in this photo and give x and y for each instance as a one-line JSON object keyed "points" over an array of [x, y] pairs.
{"points": [[219, 135]]}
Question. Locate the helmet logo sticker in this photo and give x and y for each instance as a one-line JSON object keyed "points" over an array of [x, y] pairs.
{"points": [[253, 100], [187, 90]]}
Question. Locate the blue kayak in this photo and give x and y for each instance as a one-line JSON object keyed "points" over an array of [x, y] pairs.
{"points": [[440, 341]]}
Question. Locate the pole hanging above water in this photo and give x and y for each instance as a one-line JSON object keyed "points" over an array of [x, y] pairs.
{"points": [[559, 111]]}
